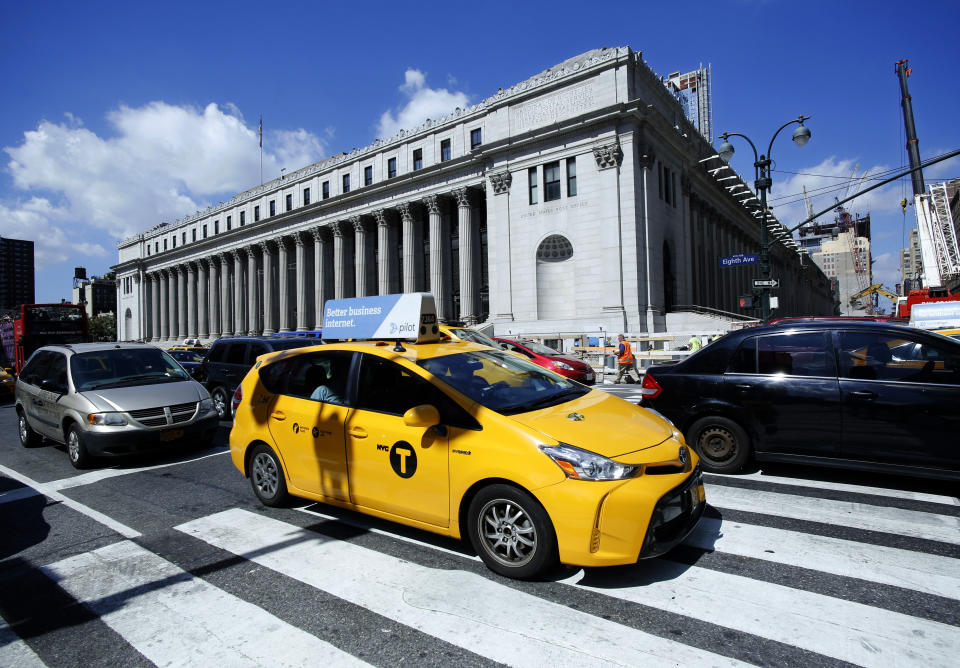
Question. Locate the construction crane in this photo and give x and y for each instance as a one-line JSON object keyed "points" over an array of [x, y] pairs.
{"points": [[876, 288]]}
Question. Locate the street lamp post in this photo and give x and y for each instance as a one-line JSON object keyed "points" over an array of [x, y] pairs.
{"points": [[762, 183]]}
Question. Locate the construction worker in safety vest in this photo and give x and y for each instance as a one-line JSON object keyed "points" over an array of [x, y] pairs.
{"points": [[625, 361]]}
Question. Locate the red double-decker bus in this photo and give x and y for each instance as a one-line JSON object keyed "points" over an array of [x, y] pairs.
{"points": [[37, 325]]}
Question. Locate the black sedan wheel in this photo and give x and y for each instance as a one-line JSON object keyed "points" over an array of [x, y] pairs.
{"points": [[221, 402], [722, 444], [266, 477], [512, 532]]}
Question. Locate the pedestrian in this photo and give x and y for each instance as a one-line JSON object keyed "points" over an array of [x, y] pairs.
{"points": [[695, 344], [625, 361]]}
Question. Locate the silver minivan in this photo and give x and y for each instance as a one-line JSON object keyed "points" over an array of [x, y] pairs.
{"points": [[108, 399]]}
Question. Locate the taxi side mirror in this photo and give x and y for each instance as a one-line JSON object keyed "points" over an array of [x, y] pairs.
{"points": [[424, 415]]}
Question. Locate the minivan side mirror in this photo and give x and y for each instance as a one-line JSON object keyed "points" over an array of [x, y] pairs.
{"points": [[423, 415]]}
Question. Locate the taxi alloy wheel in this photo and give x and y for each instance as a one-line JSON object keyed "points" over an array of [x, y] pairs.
{"points": [[76, 449], [722, 444], [266, 477], [28, 437], [512, 532]]}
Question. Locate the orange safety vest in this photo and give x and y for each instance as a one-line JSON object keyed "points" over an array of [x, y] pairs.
{"points": [[627, 355]]}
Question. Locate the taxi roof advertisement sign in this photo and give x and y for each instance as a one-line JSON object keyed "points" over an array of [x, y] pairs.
{"points": [[933, 315], [411, 317]]}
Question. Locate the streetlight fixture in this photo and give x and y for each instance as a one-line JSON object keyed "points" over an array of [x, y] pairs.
{"points": [[761, 164]]}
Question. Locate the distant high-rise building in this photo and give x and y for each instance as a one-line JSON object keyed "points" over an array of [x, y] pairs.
{"points": [[841, 249], [911, 263], [99, 294], [16, 273], [693, 92]]}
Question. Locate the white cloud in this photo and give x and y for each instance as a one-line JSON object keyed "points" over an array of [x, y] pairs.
{"points": [[423, 103], [163, 162]]}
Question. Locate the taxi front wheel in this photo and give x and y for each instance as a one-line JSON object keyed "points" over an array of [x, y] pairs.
{"points": [[266, 476], [511, 532]]}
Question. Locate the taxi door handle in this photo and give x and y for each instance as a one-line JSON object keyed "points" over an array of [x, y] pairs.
{"points": [[279, 415], [358, 432]]}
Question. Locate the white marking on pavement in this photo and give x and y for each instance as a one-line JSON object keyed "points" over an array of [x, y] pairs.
{"points": [[104, 474], [845, 487], [15, 652], [43, 488], [834, 627], [912, 523], [927, 573], [463, 609], [175, 619]]}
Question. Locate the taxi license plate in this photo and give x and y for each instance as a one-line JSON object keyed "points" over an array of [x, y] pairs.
{"points": [[171, 435]]}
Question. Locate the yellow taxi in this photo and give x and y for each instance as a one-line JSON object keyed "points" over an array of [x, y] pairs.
{"points": [[8, 383], [463, 440]]}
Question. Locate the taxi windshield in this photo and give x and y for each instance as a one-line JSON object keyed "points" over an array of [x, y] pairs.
{"points": [[503, 382], [476, 337]]}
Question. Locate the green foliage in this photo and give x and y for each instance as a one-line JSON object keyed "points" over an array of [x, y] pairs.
{"points": [[103, 327]]}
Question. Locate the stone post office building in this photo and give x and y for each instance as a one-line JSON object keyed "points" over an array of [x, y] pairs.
{"points": [[577, 199]]}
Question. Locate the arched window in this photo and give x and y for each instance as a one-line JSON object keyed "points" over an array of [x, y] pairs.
{"points": [[554, 248]]}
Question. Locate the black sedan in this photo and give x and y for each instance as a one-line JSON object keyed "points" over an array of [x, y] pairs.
{"points": [[190, 360], [862, 395]]}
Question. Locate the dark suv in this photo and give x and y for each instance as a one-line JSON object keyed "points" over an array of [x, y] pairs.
{"points": [[231, 358], [864, 395]]}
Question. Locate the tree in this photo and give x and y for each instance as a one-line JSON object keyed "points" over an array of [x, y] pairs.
{"points": [[103, 327]]}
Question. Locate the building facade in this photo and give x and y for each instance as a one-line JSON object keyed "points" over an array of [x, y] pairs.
{"points": [[577, 199], [911, 264], [99, 294], [16, 273]]}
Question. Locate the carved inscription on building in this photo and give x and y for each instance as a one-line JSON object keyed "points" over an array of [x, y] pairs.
{"points": [[551, 210], [551, 108]]}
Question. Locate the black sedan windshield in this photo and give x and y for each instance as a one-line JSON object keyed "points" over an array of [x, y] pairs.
{"points": [[121, 367], [503, 382]]}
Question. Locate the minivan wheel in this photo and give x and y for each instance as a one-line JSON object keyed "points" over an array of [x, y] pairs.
{"points": [[221, 403], [511, 532], [76, 449], [266, 476], [722, 444], [28, 437]]}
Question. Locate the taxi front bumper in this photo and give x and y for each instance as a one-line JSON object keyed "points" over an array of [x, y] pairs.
{"points": [[616, 523]]}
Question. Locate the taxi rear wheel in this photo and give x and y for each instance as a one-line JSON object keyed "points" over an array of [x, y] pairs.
{"points": [[266, 476], [722, 444], [512, 532]]}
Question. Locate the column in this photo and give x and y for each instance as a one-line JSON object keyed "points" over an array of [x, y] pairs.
{"points": [[203, 329], [155, 306], [225, 323], [253, 328], [301, 269], [359, 256], [181, 302], [319, 275], [238, 327], [339, 263], [172, 301], [408, 252], [164, 314], [213, 305], [468, 292], [283, 276], [438, 283], [385, 253], [268, 322], [191, 300]]}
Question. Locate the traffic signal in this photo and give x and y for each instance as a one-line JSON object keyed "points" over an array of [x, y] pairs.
{"points": [[749, 301]]}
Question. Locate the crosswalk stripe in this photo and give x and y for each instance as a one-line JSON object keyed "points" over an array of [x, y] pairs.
{"points": [[927, 573], [175, 619], [928, 526], [464, 609], [844, 630], [15, 652], [840, 487]]}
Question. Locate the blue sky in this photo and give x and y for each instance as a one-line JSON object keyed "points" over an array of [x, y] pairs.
{"points": [[119, 116]]}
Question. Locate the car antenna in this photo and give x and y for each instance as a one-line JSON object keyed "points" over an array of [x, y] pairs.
{"points": [[399, 348]]}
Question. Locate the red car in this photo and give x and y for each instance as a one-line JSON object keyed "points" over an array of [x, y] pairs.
{"points": [[566, 365]]}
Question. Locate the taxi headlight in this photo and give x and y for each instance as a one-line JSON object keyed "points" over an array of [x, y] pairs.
{"points": [[582, 464], [206, 405], [562, 365], [107, 419]]}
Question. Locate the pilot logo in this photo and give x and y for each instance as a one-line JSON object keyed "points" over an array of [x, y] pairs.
{"points": [[403, 459], [393, 328]]}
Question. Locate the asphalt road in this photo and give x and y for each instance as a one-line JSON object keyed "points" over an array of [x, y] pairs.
{"points": [[170, 560]]}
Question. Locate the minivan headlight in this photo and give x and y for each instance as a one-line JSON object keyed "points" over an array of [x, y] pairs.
{"points": [[206, 405], [107, 419], [582, 464]]}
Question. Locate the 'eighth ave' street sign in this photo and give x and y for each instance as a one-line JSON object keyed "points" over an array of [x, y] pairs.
{"points": [[736, 260]]}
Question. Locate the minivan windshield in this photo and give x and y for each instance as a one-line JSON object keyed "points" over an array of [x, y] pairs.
{"points": [[503, 382], [123, 367]]}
